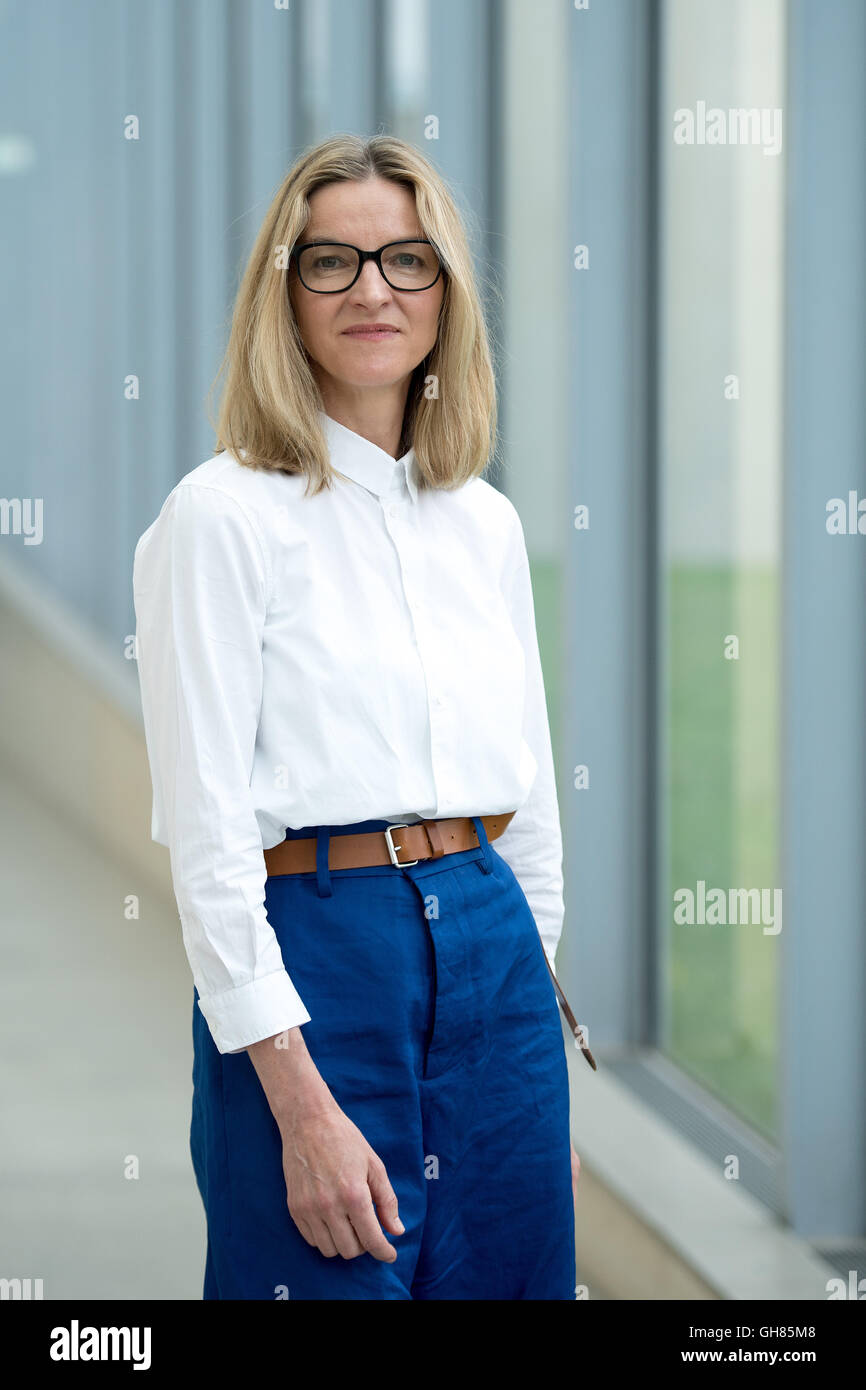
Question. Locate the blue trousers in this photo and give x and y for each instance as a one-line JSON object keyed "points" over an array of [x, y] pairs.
{"points": [[435, 1026]]}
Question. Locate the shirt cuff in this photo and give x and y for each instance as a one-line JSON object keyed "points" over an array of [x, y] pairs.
{"points": [[239, 1017], [550, 948]]}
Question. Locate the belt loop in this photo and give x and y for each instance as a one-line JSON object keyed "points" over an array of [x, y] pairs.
{"points": [[323, 876], [483, 842]]}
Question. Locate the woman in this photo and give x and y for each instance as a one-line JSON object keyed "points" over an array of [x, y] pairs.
{"points": [[339, 666]]}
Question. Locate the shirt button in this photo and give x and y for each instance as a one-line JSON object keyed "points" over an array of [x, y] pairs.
{"points": [[437, 700]]}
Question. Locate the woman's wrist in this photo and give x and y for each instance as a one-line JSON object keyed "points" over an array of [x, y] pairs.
{"points": [[291, 1081]]}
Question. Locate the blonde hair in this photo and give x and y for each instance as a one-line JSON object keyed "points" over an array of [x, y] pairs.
{"points": [[268, 414]]}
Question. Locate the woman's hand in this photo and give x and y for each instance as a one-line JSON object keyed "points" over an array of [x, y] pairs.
{"points": [[575, 1171], [336, 1184]]}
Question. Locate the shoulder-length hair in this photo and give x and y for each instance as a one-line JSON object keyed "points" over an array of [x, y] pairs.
{"points": [[268, 414]]}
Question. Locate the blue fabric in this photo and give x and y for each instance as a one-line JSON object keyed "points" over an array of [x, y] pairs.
{"points": [[435, 1025]]}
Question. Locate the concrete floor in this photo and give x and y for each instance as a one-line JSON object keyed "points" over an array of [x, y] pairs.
{"points": [[95, 1071]]}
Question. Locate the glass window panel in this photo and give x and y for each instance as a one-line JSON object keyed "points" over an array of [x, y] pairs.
{"points": [[722, 191]]}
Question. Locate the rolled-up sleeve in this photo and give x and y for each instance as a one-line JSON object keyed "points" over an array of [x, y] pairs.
{"points": [[201, 583], [532, 843]]}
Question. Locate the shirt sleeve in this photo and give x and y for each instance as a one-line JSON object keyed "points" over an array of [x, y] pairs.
{"points": [[532, 842], [201, 586]]}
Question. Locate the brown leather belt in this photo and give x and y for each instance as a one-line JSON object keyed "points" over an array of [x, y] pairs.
{"points": [[425, 839]]}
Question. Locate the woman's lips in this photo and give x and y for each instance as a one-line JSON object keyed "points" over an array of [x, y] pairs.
{"points": [[371, 334]]}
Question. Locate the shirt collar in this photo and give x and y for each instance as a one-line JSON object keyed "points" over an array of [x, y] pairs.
{"points": [[367, 464]]}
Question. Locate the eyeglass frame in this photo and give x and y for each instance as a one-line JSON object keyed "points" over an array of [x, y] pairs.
{"points": [[363, 257]]}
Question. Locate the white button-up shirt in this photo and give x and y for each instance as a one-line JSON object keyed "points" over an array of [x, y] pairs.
{"points": [[367, 653]]}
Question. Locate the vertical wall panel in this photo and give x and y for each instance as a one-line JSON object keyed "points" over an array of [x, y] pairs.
{"points": [[824, 750], [156, 296], [608, 659]]}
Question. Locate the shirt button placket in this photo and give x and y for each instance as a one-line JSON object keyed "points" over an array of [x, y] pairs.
{"points": [[418, 607]]}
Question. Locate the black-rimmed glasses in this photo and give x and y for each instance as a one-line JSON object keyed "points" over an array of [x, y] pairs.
{"points": [[328, 267]]}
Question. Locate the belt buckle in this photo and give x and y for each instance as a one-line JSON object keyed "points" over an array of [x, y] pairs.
{"points": [[392, 848]]}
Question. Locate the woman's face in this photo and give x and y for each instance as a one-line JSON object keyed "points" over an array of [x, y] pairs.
{"points": [[367, 214]]}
